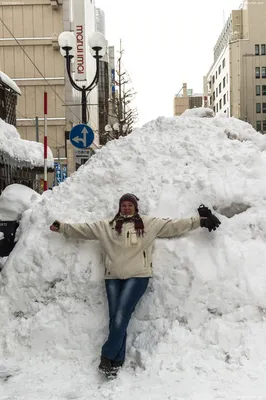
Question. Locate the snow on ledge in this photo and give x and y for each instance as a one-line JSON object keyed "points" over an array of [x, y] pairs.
{"points": [[19, 152], [10, 83]]}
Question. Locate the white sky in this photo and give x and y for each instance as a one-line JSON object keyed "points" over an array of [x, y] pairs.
{"points": [[166, 43]]}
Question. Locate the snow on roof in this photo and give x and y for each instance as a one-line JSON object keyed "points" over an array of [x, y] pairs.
{"points": [[9, 82], [19, 152], [200, 112], [192, 334]]}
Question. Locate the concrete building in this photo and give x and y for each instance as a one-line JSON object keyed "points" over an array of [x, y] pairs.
{"points": [[30, 55], [236, 82], [186, 100]]}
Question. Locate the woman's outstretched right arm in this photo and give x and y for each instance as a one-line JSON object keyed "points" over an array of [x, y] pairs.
{"points": [[77, 231]]}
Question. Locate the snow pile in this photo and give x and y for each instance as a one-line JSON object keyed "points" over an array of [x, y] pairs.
{"points": [[21, 153], [199, 331], [14, 200]]}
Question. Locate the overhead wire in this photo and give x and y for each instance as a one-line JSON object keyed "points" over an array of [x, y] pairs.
{"points": [[40, 130], [26, 54]]}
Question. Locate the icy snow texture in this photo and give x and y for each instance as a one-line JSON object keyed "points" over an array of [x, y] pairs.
{"points": [[21, 153], [199, 331]]}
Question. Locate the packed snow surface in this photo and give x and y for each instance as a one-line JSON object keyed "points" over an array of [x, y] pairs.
{"points": [[199, 331]]}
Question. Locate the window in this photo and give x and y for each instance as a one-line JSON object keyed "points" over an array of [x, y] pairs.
{"points": [[258, 125], [264, 108], [263, 126], [213, 79], [210, 99], [217, 92], [219, 69], [213, 96], [223, 62], [220, 87], [224, 82], [257, 49], [262, 50], [257, 72], [257, 90], [216, 74], [217, 107], [263, 90], [263, 72], [214, 109], [258, 108], [220, 104], [224, 99]]}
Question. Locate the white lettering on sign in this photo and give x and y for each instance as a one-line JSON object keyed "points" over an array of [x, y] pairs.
{"points": [[80, 49], [80, 34]]}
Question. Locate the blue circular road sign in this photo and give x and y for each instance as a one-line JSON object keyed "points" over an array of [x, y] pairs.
{"points": [[81, 136]]}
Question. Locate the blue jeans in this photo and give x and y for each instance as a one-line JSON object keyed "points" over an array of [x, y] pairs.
{"points": [[122, 296]]}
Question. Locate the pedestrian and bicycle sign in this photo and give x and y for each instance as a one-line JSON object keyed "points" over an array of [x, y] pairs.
{"points": [[81, 136]]}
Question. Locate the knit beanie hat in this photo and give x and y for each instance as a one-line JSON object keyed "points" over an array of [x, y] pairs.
{"points": [[129, 197], [119, 219]]}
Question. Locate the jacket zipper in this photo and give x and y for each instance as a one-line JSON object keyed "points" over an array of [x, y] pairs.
{"points": [[144, 255]]}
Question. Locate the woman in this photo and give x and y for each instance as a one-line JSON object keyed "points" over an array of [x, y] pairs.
{"points": [[128, 242]]}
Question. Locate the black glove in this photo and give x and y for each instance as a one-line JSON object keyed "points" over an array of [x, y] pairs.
{"points": [[210, 221]]}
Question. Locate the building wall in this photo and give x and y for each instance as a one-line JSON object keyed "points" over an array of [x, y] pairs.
{"points": [[35, 24], [247, 93], [249, 61]]}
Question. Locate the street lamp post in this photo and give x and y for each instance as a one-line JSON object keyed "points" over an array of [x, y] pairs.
{"points": [[67, 43]]}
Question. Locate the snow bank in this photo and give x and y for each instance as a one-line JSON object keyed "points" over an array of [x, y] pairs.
{"points": [[199, 330]]}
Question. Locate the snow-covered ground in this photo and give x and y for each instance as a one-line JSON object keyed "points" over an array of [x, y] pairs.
{"points": [[199, 331]]}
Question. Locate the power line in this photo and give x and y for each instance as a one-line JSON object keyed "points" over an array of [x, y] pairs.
{"points": [[37, 68], [40, 130]]}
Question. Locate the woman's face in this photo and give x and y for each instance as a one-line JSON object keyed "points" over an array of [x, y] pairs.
{"points": [[127, 208]]}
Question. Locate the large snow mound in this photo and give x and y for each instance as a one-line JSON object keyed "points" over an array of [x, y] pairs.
{"points": [[200, 326]]}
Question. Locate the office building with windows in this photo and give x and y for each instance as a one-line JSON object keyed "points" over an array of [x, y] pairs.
{"points": [[236, 82]]}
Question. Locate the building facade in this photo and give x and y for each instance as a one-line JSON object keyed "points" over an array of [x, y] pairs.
{"points": [[30, 55], [186, 100], [236, 82]]}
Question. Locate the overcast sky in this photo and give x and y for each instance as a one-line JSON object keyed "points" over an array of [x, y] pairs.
{"points": [[166, 43]]}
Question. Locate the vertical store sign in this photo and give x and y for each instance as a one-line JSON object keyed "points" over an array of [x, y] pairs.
{"points": [[113, 80], [80, 34]]}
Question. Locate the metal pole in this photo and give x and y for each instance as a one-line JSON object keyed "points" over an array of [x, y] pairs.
{"points": [[84, 105], [45, 187], [37, 128]]}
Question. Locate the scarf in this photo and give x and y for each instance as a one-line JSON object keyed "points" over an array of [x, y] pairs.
{"points": [[120, 219]]}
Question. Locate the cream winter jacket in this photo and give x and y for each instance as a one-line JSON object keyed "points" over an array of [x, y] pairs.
{"points": [[128, 255]]}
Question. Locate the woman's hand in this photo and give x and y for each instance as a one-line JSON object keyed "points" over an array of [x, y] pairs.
{"points": [[55, 226]]}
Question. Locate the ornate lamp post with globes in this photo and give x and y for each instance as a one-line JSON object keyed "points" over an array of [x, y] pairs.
{"points": [[97, 43]]}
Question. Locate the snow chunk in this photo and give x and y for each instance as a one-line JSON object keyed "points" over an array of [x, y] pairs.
{"points": [[14, 200], [199, 112]]}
